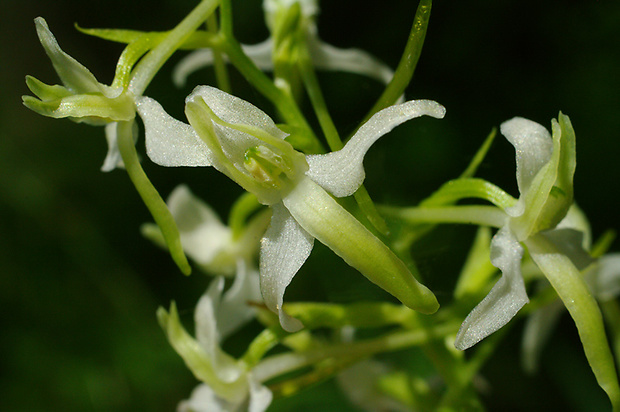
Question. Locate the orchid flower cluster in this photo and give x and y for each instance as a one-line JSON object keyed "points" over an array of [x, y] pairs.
{"points": [[302, 185]]}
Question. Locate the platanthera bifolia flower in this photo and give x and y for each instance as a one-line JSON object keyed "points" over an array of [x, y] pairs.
{"points": [[545, 168], [205, 239], [81, 98], [283, 18], [244, 143], [227, 383]]}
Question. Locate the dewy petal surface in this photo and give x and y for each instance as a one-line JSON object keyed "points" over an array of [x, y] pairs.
{"points": [[503, 301], [342, 172], [232, 109], [170, 142], [284, 249], [533, 147], [203, 234]]}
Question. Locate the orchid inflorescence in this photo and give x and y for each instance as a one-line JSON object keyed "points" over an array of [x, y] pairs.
{"points": [[297, 191]]}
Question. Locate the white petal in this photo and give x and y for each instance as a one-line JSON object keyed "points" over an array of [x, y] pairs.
{"points": [[503, 301], [327, 57], [207, 332], [234, 143], [170, 142], [194, 61], [342, 172], [113, 159], [203, 235], [203, 399], [232, 109], [533, 147], [260, 396], [234, 309], [259, 53], [607, 277], [284, 249]]}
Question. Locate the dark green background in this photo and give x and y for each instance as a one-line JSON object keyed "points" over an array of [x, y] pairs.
{"points": [[79, 286]]}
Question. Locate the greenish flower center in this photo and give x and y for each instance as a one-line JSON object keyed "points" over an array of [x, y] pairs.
{"points": [[270, 168]]}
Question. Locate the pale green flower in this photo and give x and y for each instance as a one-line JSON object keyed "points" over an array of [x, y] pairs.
{"points": [[545, 168], [276, 47], [227, 383], [81, 98], [242, 142], [205, 239]]}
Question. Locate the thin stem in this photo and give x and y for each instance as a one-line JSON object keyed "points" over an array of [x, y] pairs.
{"points": [[285, 105], [408, 61], [280, 364], [221, 74], [152, 62], [473, 215], [150, 196]]}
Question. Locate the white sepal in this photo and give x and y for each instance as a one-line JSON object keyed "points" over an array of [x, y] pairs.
{"points": [[284, 249], [342, 172], [503, 301], [170, 142]]}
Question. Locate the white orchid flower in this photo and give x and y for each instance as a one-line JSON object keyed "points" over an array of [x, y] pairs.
{"points": [[205, 239], [227, 383], [81, 98], [244, 143], [323, 55], [545, 168]]}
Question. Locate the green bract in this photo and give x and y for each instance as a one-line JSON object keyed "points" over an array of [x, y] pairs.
{"points": [[242, 142]]}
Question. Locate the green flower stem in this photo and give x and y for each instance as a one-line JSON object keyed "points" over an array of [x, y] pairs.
{"points": [[245, 205], [150, 196], [308, 75], [471, 169], [575, 293], [226, 23], [476, 215], [313, 88], [265, 340], [221, 73], [277, 365], [152, 62], [473, 188], [284, 103], [408, 61]]}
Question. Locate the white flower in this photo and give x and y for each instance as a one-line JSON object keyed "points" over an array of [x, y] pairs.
{"points": [[242, 142], [323, 55], [545, 168], [228, 384], [205, 239]]}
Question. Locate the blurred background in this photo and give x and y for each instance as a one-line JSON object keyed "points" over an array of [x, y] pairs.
{"points": [[79, 286]]}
